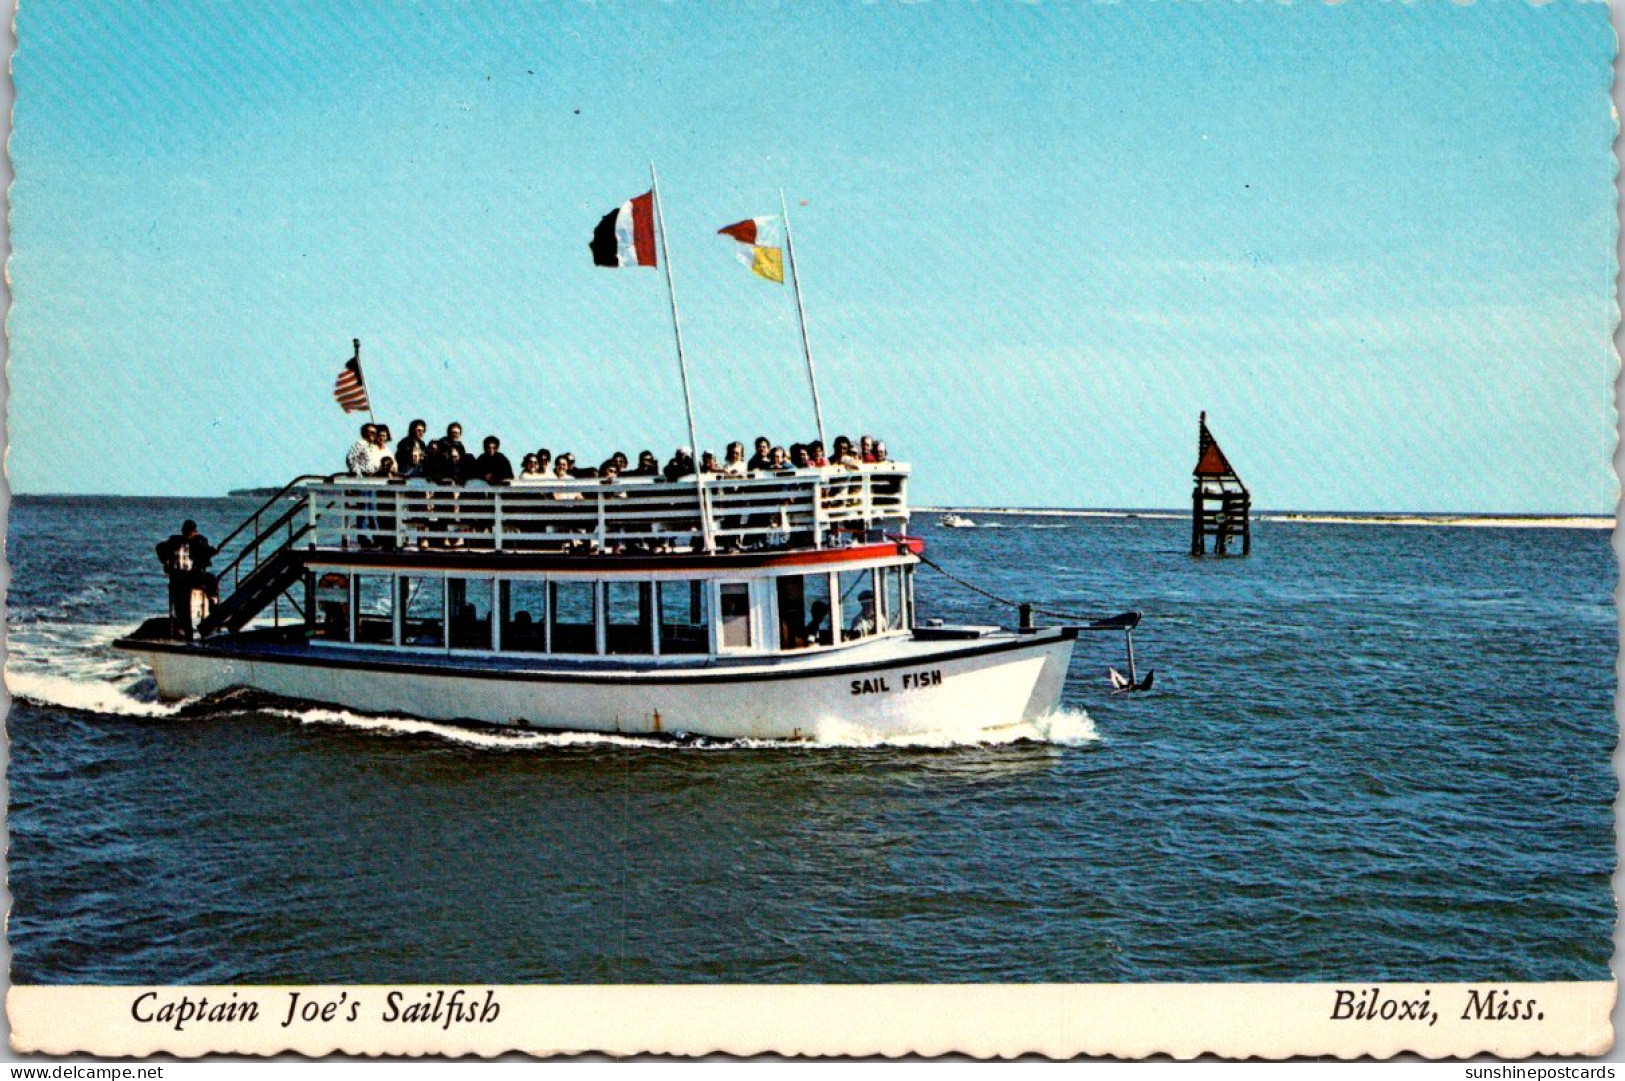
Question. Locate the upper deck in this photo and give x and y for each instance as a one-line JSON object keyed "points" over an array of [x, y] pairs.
{"points": [[807, 508]]}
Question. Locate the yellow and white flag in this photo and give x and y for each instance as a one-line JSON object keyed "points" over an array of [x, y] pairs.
{"points": [[759, 246]]}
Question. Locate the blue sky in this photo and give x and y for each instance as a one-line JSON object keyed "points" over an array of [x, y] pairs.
{"points": [[1374, 241]]}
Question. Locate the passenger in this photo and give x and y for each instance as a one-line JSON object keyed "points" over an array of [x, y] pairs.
{"points": [[799, 457], [417, 460], [763, 458], [454, 438], [386, 468], [648, 466], [531, 468], [864, 624], [185, 558], [815, 452], [445, 464], [681, 464], [413, 440], [561, 471], [709, 463], [733, 463], [815, 631], [359, 461], [493, 466], [618, 460], [880, 452], [866, 449], [778, 461], [384, 438], [842, 453]]}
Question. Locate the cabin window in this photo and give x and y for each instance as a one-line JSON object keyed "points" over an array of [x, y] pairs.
{"points": [[330, 614], [524, 616], [423, 610], [684, 618], [628, 617], [574, 620], [734, 602], [374, 612], [891, 591], [804, 611], [858, 611], [468, 609]]}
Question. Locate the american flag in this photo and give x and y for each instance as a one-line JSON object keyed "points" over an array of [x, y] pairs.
{"points": [[349, 390]]}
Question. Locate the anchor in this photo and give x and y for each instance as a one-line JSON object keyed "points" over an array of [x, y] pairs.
{"points": [[1122, 684]]}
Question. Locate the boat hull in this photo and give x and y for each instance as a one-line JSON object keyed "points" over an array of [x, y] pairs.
{"points": [[897, 689]]}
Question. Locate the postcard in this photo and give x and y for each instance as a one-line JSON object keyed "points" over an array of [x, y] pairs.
{"points": [[844, 529]]}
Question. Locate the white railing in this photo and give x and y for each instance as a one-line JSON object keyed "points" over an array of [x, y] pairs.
{"points": [[801, 508]]}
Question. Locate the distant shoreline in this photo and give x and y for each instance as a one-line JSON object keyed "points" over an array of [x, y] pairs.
{"points": [[1317, 517], [1313, 517]]}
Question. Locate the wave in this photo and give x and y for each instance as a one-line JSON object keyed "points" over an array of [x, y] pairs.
{"points": [[1066, 728], [86, 695]]}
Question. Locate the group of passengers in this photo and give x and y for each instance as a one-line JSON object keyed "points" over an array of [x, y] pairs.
{"points": [[447, 461]]}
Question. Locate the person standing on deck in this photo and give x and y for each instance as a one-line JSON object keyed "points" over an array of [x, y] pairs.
{"points": [[358, 463], [185, 558], [493, 466]]}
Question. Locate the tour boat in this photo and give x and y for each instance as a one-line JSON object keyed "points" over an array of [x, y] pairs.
{"points": [[774, 606]]}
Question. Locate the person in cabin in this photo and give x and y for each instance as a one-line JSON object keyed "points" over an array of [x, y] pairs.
{"points": [[412, 440], [815, 633], [359, 462], [185, 558], [681, 464], [763, 458], [864, 624], [733, 461], [454, 438], [493, 466], [866, 449]]}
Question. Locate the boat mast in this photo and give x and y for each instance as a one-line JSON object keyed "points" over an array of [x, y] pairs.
{"points": [[801, 316], [682, 362]]}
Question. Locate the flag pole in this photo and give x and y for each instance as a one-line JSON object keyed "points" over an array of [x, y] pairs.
{"points": [[682, 362], [801, 316], [359, 374]]}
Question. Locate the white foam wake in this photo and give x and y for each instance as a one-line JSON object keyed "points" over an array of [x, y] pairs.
{"points": [[90, 695], [1066, 728]]}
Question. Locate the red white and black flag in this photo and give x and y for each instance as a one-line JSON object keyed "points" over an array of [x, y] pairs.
{"points": [[349, 389], [626, 235]]}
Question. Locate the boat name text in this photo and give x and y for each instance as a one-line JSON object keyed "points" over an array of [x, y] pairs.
{"points": [[912, 681]]}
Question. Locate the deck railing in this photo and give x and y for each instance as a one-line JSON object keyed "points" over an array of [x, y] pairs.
{"points": [[804, 508]]}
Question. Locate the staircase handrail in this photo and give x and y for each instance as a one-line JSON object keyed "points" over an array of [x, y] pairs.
{"points": [[254, 544]]}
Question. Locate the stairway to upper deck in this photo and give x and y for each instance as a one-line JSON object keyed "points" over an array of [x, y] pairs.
{"points": [[255, 565]]}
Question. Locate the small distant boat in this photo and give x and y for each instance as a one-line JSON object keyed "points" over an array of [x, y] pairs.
{"points": [[956, 521]]}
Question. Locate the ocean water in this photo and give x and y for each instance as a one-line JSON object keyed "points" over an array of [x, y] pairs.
{"points": [[1373, 752]]}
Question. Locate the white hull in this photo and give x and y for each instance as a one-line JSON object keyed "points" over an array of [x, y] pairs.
{"points": [[889, 688]]}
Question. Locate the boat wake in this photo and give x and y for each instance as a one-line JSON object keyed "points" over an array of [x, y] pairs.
{"points": [[1066, 728], [73, 666]]}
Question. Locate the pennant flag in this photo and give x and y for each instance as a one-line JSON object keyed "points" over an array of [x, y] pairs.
{"points": [[626, 235], [349, 391], [759, 246]]}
